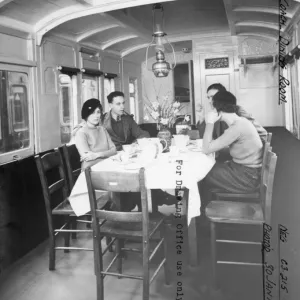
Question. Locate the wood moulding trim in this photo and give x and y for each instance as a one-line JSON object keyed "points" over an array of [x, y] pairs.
{"points": [[77, 11], [17, 61]]}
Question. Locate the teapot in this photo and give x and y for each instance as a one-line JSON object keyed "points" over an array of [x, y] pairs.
{"points": [[181, 140], [146, 143]]}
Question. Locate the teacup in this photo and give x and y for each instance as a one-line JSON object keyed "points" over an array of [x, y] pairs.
{"points": [[124, 157], [199, 143], [181, 140], [143, 142], [127, 149]]}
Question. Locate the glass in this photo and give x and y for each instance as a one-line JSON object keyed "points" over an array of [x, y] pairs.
{"points": [[14, 111]]}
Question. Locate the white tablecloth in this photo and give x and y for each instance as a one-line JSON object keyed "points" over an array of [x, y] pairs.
{"points": [[159, 174]]}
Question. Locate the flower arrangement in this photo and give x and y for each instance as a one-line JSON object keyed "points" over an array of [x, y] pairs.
{"points": [[163, 111]]}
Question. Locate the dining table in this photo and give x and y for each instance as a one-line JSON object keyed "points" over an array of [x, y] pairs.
{"points": [[167, 171]]}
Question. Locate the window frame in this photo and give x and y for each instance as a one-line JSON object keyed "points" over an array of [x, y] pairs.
{"points": [[136, 105], [19, 154], [61, 106], [106, 107]]}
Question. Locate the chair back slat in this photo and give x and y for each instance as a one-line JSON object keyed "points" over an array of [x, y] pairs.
{"points": [[50, 161], [118, 182], [267, 187], [117, 216], [56, 186], [71, 156]]}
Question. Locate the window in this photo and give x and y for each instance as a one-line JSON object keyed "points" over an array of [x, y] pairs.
{"points": [[133, 97], [109, 86], [89, 87], [66, 106], [14, 111]]}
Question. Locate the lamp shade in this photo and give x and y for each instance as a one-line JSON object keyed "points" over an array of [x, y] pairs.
{"points": [[160, 68]]}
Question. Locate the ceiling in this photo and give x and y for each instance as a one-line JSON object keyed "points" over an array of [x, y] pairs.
{"points": [[123, 27]]}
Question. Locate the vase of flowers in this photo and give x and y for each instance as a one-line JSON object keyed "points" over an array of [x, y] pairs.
{"points": [[184, 127], [165, 112]]}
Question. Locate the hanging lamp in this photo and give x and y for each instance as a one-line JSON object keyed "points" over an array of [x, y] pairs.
{"points": [[161, 67]]}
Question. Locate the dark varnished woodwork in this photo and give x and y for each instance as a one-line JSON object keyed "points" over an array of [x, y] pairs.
{"points": [[72, 163], [45, 164]]}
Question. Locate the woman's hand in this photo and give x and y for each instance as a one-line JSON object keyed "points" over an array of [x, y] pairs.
{"points": [[88, 156], [212, 117], [200, 113]]}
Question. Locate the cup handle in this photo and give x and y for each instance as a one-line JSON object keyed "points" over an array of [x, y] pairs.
{"points": [[166, 144]]}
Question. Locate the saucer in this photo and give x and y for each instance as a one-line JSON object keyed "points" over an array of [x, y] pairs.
{"points": [[195, 150], [132, 166]]}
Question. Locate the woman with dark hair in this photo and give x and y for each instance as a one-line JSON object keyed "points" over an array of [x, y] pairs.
{"points": [[242, 173], [91, 138]]}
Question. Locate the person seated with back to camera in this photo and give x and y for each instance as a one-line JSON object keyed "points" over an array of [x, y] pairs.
{"points": [[242, 173], [220, 126]]}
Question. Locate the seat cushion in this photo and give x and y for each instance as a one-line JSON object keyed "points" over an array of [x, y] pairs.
{"points": [[65, 208], [130, 230], [234, 212]]}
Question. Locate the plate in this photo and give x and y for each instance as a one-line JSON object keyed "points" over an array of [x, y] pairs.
{"points": [[195, 149], [132, 166]]}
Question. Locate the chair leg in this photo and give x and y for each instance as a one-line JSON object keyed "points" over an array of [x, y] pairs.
{"points": [[166, 264], [74, 226], [52, 252], [98, 267], [119, 259], [100, 287], [213, 256], [146, 279], [67, 237]]}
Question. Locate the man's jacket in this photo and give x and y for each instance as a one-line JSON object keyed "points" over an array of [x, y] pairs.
{"points": [[131, 130]]}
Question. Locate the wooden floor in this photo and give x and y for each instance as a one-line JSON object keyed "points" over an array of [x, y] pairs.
{"points": [[30, 279]]}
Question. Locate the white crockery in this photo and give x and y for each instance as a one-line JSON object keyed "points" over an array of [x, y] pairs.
{"points": [[181, 140]]}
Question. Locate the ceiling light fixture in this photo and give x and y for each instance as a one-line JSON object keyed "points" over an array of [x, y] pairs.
{"points": [[161, 67]]}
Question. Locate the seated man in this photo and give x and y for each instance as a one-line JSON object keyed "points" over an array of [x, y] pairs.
{"points": [[221, 126], [121, 127], [242, 173]]}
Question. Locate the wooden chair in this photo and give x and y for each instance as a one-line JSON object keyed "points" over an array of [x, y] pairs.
{"points": [[72, 164], [254, 195], [120, 226], [220, 212], [71, 155], [269, 137], [47, 165]]}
